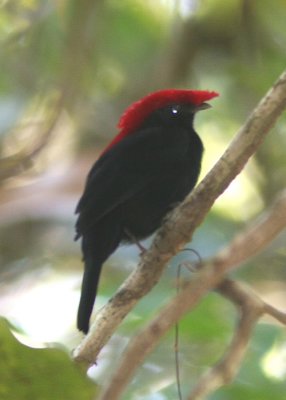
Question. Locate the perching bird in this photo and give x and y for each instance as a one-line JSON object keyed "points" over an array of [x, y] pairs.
{"points": [[150, 166]]}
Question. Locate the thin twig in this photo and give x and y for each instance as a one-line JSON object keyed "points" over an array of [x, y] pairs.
{"points": [[176, 347], [177, 327]]}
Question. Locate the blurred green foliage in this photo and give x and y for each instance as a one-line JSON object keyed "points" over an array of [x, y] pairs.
{"points": [[45, 374], [68, 70]]}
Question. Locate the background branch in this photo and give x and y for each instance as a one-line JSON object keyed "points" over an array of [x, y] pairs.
{"points": [[251, 308], [23, 160], [257, 236]]}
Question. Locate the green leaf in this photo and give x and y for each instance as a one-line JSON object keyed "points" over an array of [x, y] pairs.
{"points": [[45, 374]]}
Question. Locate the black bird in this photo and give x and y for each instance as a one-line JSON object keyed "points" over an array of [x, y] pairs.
{"points": [[150, 166]]}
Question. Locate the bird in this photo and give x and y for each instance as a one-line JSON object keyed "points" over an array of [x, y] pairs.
{"points": [[146, 170]]}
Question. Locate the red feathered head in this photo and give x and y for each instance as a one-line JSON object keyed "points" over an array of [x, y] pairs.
{"points": [[137, 112]]}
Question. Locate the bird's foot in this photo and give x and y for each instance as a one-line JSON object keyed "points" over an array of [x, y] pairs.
{"points": [[134, 240]]}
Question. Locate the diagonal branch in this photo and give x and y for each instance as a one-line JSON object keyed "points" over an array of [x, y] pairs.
{"points": [[257, 236], [210, 275], [181, 223]]}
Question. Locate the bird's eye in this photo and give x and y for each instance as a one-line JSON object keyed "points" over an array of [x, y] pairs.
{"points": [[175, 110]]}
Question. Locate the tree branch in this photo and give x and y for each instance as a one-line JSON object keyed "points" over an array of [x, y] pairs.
{"points": [[23, 160], [211, 273], [251, 308], [179, 227], [257, 236]]}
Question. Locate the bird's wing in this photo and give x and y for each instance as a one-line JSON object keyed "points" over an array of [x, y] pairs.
{"points": [[125, 170]]}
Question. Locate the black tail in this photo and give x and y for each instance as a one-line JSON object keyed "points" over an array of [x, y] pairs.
{"points": [[95, 249], [95, 252], [88, 293]]}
